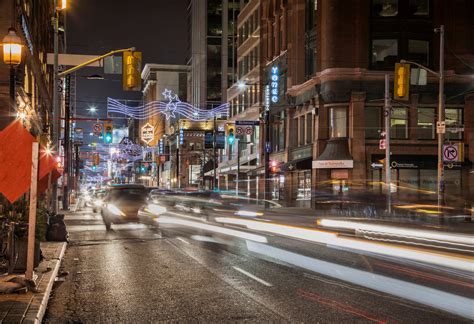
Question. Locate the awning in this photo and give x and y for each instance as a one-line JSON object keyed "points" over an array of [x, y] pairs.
{"points": [[336, 155]]}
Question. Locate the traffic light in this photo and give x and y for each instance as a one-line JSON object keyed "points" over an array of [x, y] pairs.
{"points": [[132, 65], [273, 166], [230, 133], [108, 136], [59, 162], [401, 81], [94, 168]]}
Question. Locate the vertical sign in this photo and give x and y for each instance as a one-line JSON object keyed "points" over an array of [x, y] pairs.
{"points": [[181, 136], [275, 84], [161, 147]]}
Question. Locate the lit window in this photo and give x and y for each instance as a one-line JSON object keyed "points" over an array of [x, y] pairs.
{"points": [[338, 122], [426, 123], [385, 8], [384, 53], [399, 123], [453, 118]]}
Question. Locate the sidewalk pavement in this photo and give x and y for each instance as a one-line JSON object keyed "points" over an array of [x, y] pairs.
{"points": [[30, 307]]}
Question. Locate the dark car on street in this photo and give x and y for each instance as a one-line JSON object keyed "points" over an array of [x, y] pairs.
{"points": [[121, 204]]}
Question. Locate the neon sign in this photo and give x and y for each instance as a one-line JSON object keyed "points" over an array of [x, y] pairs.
{"points": [[274, 84]]}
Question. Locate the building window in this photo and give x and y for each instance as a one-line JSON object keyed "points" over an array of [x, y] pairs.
{"points": [[309, 128], [453, 118], [418, 51], [384, 53], [419, 8], [338, 122], [385, 8], [426, 123], [399, 123], [301, 131], [373, 122]]}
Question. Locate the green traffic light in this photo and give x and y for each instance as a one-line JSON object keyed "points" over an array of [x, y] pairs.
{"points": [[108, 138]]}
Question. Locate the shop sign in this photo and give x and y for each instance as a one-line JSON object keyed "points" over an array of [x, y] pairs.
{"points": [[333, 164], [275, 80], [398, 165], [267, 97], [340, 174], [148, 133]]}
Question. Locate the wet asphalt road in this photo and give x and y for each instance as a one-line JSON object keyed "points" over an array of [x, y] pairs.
{"points": [[180, 273]]}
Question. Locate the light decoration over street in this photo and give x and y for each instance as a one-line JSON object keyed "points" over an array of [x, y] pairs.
{"points": [[172, 106]]}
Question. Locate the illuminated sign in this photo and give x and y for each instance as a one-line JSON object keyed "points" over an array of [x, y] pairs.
{"points": [[161, 147], [26, 32], [148, 133], [181, 136], [275, 84]]}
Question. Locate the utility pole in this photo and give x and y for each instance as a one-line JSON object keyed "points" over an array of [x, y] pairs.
{"points": [[67, 150], [267, 147], [238, 169], [55, 22], [388, 115], [214, 180], [441, 120]]}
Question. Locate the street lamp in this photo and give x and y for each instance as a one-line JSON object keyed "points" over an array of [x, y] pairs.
{"points": [[12, 48], [12, 56]]}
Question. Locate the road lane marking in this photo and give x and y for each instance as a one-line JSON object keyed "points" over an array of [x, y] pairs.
{"points": [[248, 274], [183, 240]]}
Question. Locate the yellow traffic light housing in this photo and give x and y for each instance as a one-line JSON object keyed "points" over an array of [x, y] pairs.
{"points": [[401, 81], [132, 65], [230, 133], [108, 133]]}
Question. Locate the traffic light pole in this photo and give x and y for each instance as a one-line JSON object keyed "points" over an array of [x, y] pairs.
{"points": [[441, 118], [67, 151], [388, 171], [214, 180], [266, 150]]}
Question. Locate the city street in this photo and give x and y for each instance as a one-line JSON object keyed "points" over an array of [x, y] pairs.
{"points": [[195, 270]]}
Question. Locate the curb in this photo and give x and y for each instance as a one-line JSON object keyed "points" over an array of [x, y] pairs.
{"points": [[37, 312]]}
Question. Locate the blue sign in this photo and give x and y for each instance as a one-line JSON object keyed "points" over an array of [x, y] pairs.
{"points": [[181, 136], [208, 139], [268, 147], [161, 147], [274, 85]]}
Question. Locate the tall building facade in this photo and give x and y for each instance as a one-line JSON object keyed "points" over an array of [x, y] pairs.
{"points": [[33, 78], [331, 57], [213, 42], [244, 98]]}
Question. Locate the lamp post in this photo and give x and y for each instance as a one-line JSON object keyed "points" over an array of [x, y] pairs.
{"points": [[12, 56], [441, 119]]}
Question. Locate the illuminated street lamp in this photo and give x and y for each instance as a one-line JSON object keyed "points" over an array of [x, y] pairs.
{"points": [[12, 56], [11, 48]]}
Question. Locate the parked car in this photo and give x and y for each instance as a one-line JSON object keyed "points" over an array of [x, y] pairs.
{"points": [[121, 204]]}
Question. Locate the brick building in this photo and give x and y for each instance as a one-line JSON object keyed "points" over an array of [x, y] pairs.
{"points": [[331, 57], [33, 77]]}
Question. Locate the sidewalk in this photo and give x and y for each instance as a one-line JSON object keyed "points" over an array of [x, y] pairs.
{"points": [[30, 307]]}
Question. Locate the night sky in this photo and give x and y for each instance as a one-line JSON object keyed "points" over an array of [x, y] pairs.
{"points": [[157, 28]]}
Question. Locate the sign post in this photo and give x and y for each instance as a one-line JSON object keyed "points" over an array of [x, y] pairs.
{"points": [[32, 214]]}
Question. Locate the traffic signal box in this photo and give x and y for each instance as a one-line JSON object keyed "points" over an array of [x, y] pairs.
{"points": [[132, 66], [273, 166], [401, 81], [230, 133], [108, 133]]}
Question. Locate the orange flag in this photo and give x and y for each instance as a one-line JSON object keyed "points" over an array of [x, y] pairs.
{"points": [[15, 161]]}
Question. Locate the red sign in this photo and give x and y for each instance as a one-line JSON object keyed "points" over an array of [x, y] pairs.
{"points": [[382, 144]]}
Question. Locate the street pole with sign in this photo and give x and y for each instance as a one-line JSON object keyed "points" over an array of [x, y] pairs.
{"points": [[388, 171]]}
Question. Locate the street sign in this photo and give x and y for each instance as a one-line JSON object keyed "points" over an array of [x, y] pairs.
{"points": [[247, 122], [239, 130], [148, 133], [382, 144], [377, 165], [440, 127], [208, 139], [453, 152], [97, 129]]}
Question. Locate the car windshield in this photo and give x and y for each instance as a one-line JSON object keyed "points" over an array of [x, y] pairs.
{"points": [[131, 194]]}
